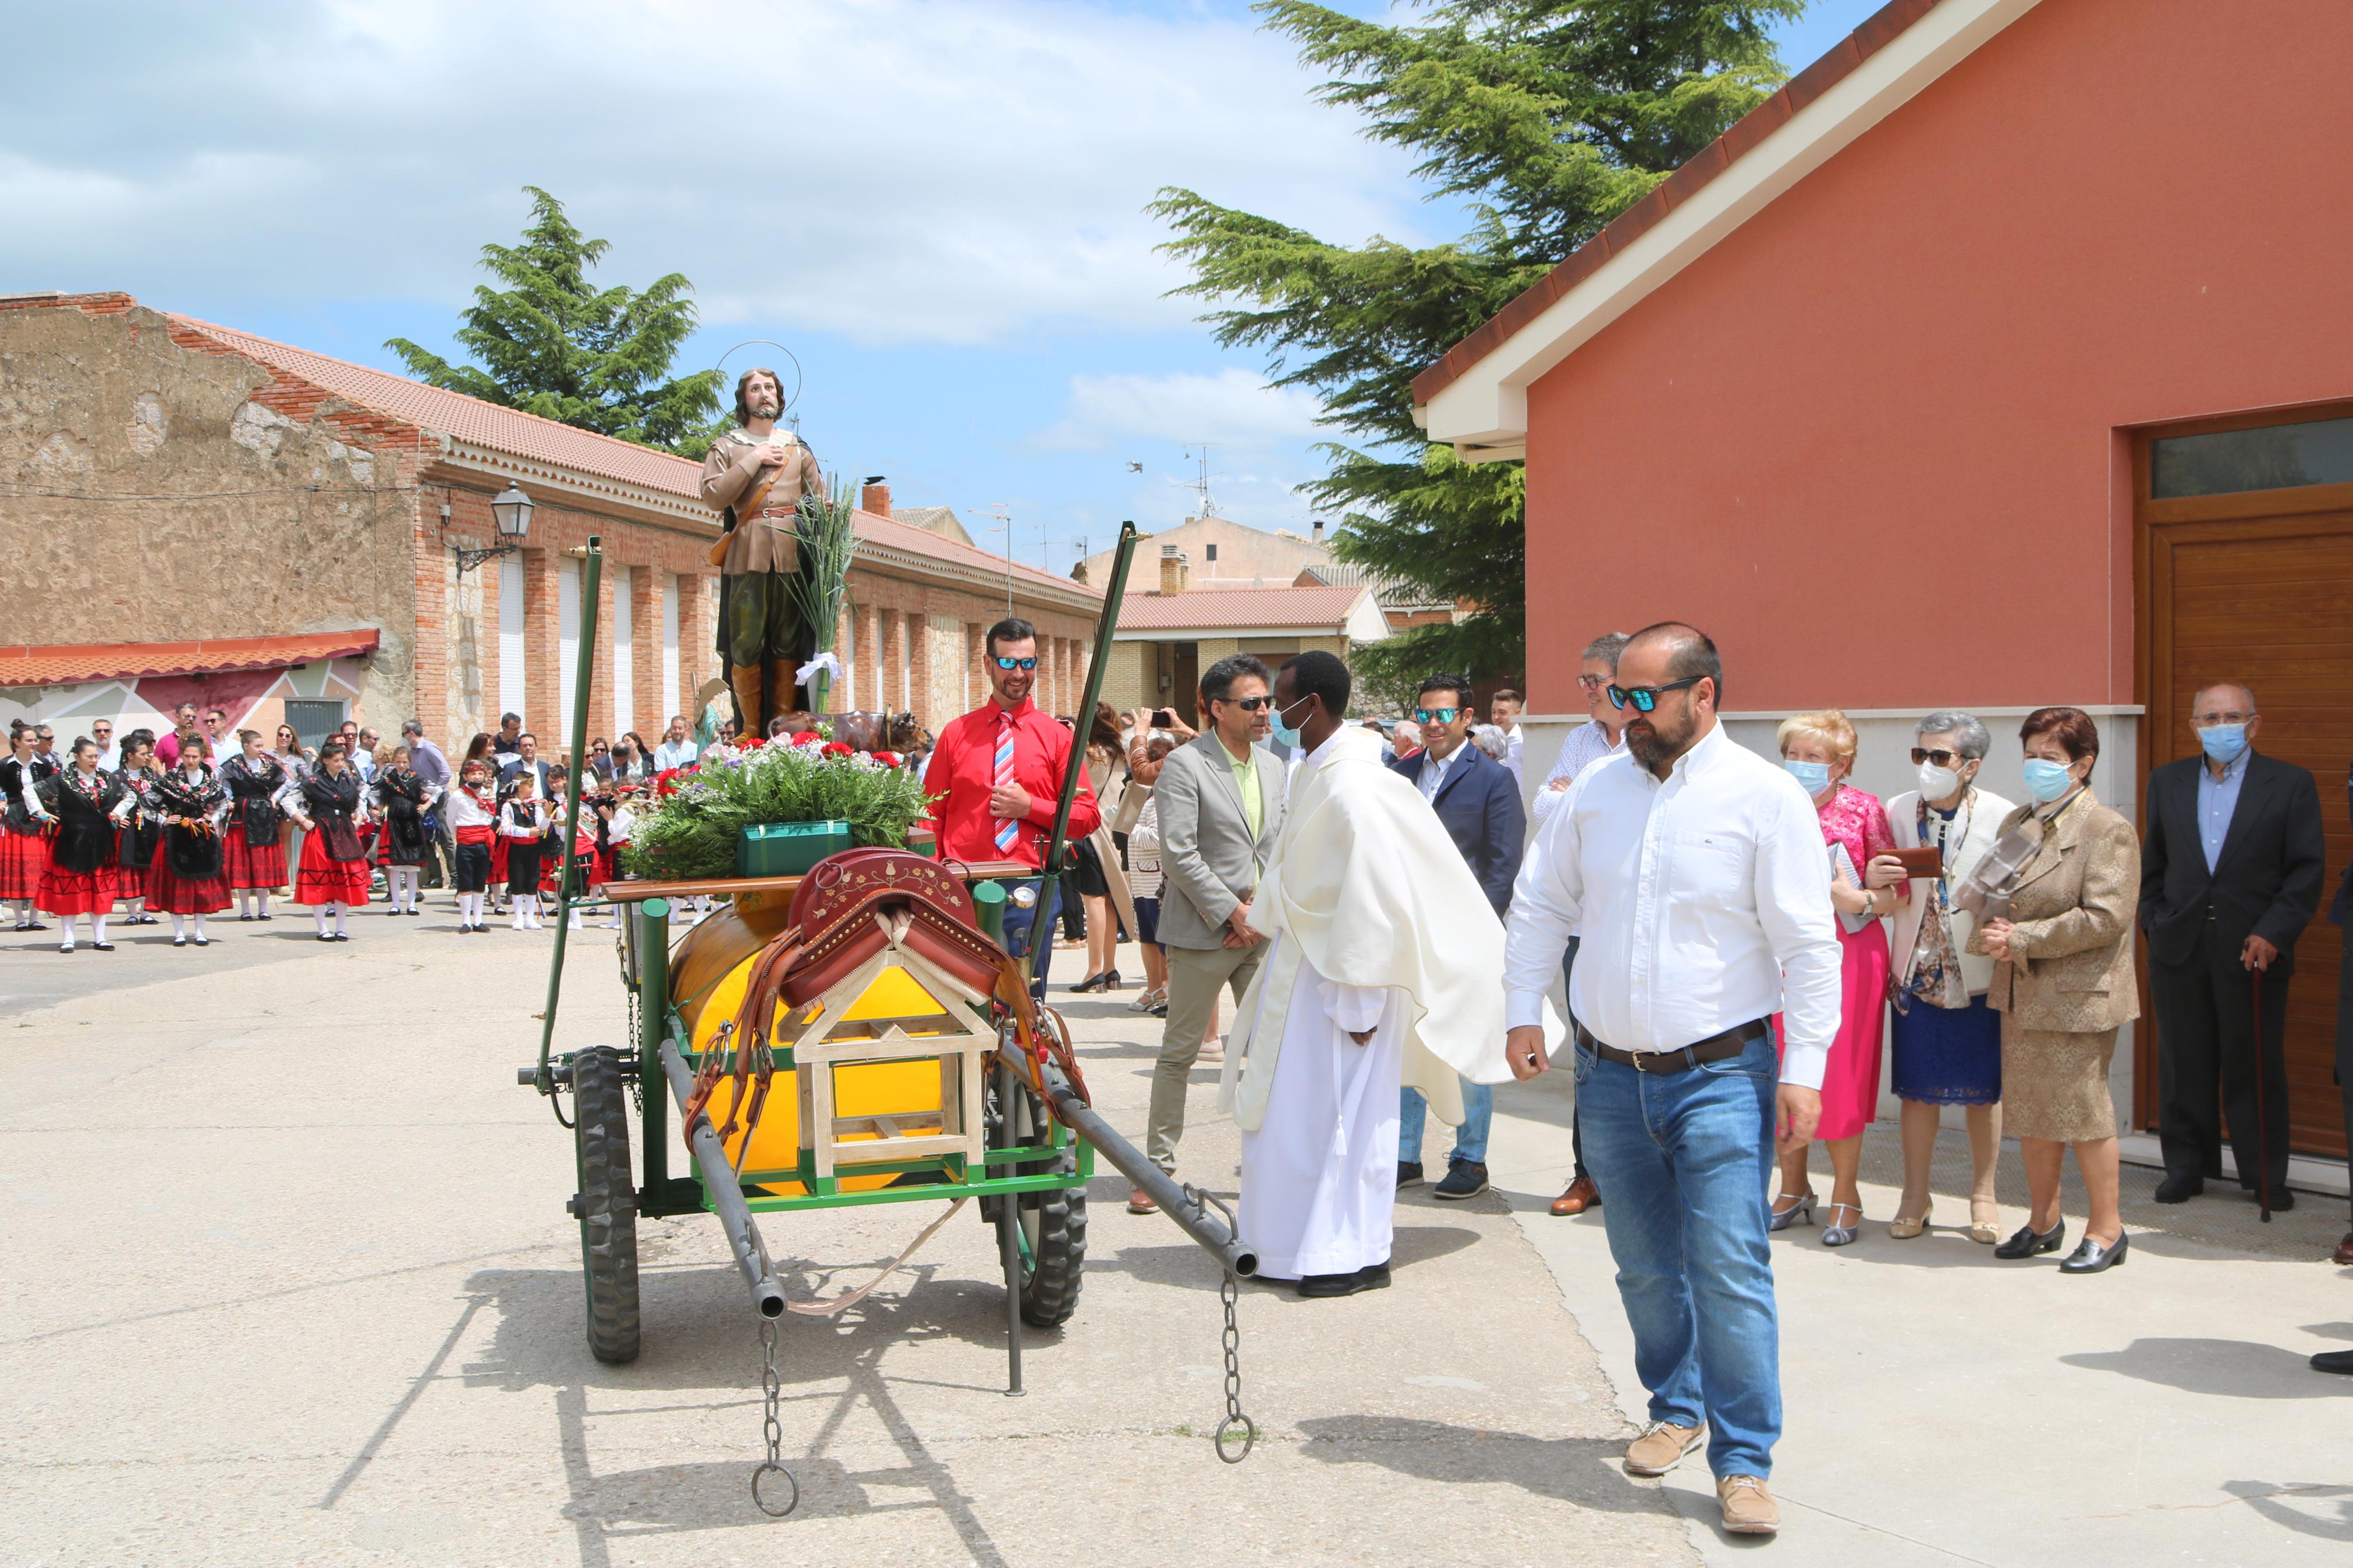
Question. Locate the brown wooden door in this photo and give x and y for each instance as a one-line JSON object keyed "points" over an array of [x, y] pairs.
{"points": [[2258, 587]]}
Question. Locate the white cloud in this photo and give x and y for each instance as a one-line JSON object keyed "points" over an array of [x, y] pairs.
{"points": [[895, 170], [1231, 408]]}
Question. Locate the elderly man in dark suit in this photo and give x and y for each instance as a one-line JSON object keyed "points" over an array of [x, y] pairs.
{"points": [[1477, 800], [2230, 873]]}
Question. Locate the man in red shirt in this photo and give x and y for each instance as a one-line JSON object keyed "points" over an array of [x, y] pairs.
{"points": [[1000, 769]]}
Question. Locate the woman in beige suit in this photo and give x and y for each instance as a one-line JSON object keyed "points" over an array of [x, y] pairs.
{"points": [[2058, 891]]}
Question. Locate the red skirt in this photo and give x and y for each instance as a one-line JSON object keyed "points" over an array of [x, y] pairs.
{"points": [[170, 894], [498, 858], [324, 881], [245, 865], [24, 858], [76, 892], [130, 882]]}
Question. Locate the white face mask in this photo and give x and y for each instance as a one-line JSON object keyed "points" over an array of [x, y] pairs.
{"points": [[1937, 783]]}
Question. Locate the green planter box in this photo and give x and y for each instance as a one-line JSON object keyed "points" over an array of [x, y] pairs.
{"points": [[788, 848]]}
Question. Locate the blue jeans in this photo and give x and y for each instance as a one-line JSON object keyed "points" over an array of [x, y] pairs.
{"points": [[1469, 1139], [1685, 1157], [1019, 922]]}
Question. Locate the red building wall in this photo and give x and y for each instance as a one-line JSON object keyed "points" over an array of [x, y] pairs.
{"points": [[1874, 442]]}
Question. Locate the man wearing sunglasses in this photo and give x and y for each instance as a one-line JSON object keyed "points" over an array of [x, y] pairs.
{"points": [[1692, 869], [1478, 803], [1001, 768]]}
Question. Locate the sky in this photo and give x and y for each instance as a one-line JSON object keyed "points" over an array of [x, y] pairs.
{"points": [[937, 207]]}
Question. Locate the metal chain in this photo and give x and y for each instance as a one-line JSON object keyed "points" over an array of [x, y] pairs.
{"points": [[637, 1043], [772, 1391], [1228, 1291]]}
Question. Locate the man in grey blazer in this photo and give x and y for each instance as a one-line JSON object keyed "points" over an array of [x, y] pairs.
{"points": [[1220, 797]]}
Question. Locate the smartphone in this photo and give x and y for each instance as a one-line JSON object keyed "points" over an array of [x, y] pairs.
{"points": [[1166, 717]]}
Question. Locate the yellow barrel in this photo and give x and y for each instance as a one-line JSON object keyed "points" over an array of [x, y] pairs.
{"points": [[711, 966]]}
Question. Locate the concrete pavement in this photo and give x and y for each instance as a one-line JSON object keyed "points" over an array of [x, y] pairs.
{"points": [[289, 1282]]}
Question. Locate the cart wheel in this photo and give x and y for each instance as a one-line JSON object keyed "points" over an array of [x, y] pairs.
{"points": [[1053, 1224], [608, 1203]]}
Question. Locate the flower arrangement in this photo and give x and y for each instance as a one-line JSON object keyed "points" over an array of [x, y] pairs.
{"points": [[689, 829]]}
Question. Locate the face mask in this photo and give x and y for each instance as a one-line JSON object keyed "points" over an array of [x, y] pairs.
{"points": [[1284, 735], [2048, 780], [2224, 742], [1938, 782], [1815, 776]]}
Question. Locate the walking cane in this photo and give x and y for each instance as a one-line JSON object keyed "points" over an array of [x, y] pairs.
{"points": [[2262, 1116]]}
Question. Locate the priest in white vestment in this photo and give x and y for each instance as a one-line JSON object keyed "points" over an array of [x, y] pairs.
{"points": [[1370, 977]]}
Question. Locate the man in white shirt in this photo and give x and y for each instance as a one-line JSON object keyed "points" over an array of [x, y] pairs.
{"points": [[1692, 867], [1504, 709], [676, 749]]}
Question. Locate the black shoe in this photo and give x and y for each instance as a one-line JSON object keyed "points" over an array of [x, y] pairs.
{"points": [[2090, 1257], [2282, 1199], [1112, 982], [1092, 982], [1409, 1174], [1463, 1179], [2026, 1241], [179, 942], [265, 915], [2179, 1189], [103, 946], [245, 917], [1372, 1276], [416, 912], [340, 936], [203, 941], [324, 937], [2334, 1360]]}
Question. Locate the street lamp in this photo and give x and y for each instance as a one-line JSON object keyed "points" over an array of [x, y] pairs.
{"points": [[512, 511]]}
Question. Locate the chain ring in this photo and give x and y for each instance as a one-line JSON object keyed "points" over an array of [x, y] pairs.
{"points": [[771, 1393]]}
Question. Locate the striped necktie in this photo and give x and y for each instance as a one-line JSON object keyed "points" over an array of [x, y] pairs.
{"points": [[1008, 828]]}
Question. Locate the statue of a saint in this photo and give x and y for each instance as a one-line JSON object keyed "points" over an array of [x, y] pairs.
{"points": [[756, 475]]}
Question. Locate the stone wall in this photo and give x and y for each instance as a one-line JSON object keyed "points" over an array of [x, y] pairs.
{"points": [[153, 487]]}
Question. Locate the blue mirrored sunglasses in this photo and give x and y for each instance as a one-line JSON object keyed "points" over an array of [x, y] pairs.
{"points": [[1004, 663], [1646, 698], [1436, 715]]}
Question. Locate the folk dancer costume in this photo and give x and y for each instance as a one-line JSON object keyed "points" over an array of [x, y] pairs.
{"points": [[184, 879], [23, 857], [1356, 948], [140, 835], [333, 875], [404, 797], [473, 818], [251, 852], [759, 629], [523, 823], [79, 880]]}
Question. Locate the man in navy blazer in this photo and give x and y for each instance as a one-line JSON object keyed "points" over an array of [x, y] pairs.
{"points": [[2231, 864], [1478, 802]]}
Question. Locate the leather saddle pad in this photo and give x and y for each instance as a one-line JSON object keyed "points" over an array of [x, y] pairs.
{"points": [[834, 913]]}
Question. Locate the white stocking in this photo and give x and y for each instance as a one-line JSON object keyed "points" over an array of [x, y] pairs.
{"points": [[200, 927], [320, 914], [65, 930], [178, 929], [339, 917], [261, 902], [98, 928]]}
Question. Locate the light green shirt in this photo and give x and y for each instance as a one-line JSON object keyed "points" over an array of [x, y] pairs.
{"points": [[1246, 780]]}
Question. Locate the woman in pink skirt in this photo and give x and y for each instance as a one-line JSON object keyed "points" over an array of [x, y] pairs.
{"points": [[1819, 750]]}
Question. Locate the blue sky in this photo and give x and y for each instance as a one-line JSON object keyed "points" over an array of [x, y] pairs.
{"points": [[936, 205]]}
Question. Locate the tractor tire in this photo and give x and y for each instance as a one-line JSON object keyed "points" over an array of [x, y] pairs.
{"points": [[1053, 1223], [608, 1203]]}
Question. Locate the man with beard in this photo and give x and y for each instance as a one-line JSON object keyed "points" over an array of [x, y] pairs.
{"points": [[995, 777], [756, 475], [1693, 869]]}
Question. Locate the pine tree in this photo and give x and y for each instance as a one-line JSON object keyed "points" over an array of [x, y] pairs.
{"points": [[553, 345], [1548, 119]]}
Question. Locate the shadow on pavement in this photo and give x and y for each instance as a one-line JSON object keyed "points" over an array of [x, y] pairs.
{"points": [[2272, 1503], [1580, 1470], [2234, 1369]]}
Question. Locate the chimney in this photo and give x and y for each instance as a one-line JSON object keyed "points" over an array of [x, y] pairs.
{"points": [[875, 497], [1315, 534], [1173, 572]]}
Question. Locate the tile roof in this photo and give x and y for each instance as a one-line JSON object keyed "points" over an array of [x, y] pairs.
{"points": [[467, 418], [1209, 609], [1876, 31], [65, 664], [917, 540]]}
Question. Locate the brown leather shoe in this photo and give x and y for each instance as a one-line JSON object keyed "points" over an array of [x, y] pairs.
{"points": [[2345, 1251], [1748, 1506], [1661, 1447], [1582, 1194]]}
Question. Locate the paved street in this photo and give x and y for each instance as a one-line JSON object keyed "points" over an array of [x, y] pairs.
{"points": [[289, 1281]]}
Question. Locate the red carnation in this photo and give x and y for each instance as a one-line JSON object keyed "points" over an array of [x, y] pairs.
{"points": [[840, 749], [753, 744], [665, 783], [888, 759], [807, 738]]}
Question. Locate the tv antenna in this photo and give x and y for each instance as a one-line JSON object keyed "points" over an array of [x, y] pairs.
{"points": [[1198, 455], [1003, 512]]}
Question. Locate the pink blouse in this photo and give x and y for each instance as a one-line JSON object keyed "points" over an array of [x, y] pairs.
{"points": [[1857, 820]]}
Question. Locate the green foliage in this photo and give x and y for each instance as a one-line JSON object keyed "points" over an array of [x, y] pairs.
{"points": [[555, 346], [828, 539], [693, 833], [1548, 118]]}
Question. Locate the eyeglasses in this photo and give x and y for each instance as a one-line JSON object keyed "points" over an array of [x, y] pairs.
{"points": [[1436, 715], [1004, 663], [1646, 698], [1248, 704], [1941, 757], [1589, 684]]}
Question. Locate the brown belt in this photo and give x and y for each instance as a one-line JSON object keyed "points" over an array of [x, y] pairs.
{"points": [[1714, 1048]]}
